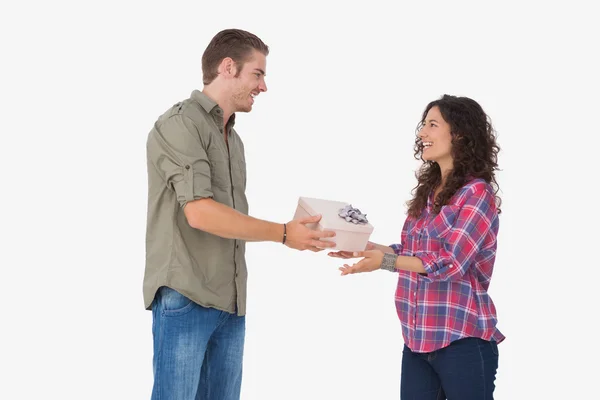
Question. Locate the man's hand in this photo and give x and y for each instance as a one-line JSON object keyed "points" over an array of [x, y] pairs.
{"points": [[371, 262], [300, 237]]}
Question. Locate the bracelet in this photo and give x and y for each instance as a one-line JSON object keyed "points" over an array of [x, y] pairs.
{"points": [[389, 262], [284, 233]]}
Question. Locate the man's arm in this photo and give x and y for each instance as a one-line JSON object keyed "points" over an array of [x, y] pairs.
{"points": [[218, 219], [175, 150]]}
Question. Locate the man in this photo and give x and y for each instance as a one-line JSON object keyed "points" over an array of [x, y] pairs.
{"points": [[195, 277]]}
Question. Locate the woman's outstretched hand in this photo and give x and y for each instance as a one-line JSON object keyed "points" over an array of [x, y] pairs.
{"points": [[349, 254]]}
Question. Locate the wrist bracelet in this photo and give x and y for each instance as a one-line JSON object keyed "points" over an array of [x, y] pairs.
{"points": [[389, 262], [284, 233]]}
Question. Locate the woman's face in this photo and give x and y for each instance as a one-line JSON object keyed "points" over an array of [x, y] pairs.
{"points": [[436, 138]]}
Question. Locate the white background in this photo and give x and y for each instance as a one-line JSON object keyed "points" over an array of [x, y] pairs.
{"points": [[83, 82]]}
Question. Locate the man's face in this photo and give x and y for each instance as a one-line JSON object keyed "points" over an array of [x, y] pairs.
{"points": [[249, 82]]}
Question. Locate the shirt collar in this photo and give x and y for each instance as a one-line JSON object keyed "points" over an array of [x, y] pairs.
{"points": [[211, 107]]}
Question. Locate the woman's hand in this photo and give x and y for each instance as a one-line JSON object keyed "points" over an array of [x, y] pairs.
{"points": [[371, 262], [349, 254]]}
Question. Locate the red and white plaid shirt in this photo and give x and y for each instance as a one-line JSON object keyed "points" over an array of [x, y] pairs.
{"points": [[458, 249]]}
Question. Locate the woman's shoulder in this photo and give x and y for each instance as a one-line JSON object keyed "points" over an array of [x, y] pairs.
{"points": [[474, 187]]}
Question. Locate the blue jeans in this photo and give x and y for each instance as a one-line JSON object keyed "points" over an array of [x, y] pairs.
{"points": [[197, 350], [464, 370]]}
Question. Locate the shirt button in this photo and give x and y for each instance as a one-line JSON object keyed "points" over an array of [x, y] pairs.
{"points": [[450, 266], [415, 294], [237, 246], [187, 167]]}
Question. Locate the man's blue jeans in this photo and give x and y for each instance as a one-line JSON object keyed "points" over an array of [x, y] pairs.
{"points": [[197, 351], [464, 370]]}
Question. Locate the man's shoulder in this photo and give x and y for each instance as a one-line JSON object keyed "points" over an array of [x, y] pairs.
{"points": [[188, 112], [192, 109]]}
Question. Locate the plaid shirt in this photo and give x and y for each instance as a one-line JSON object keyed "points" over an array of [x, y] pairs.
{"points": [[458, 249]]}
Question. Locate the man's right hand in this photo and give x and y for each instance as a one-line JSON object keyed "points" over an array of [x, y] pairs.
{"points": [[300, 237]]}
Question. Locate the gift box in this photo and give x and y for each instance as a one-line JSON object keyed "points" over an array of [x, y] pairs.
{"points": [[352, 228]]}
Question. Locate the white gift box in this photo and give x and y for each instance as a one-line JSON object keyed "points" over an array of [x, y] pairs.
{"points": [[349, 236]]}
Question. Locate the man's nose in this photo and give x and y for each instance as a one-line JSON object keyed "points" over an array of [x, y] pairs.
{"points": [[263, 86]]}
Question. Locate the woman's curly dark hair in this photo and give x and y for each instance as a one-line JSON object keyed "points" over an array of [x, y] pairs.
{"points": [[474, 153]]}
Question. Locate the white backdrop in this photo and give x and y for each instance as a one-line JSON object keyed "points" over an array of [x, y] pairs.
{"points": [[83, 82]]}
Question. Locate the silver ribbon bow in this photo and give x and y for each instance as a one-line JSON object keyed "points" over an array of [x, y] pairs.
{"points": [[353, 215]]}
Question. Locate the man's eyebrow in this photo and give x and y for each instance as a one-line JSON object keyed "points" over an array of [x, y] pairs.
{"points": [[432, 120], [261, 71]]}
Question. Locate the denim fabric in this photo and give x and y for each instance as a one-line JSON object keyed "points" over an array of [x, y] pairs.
{"points": [[464, 370], [198, 351]]}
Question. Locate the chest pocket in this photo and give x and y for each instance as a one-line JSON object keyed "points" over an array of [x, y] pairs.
{"points": [[219, 166], [241, 166], [442, 223]]}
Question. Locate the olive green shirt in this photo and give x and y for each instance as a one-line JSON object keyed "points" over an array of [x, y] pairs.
{"points": [[188, 159]]}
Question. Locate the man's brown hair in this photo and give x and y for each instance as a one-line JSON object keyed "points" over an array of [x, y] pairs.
{"points": [[234, 43]]}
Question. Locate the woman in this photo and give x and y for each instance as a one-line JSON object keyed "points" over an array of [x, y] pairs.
{"points": [[446, 257]]}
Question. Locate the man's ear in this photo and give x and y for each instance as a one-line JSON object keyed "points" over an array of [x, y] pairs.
{"points": [[227, 68]]}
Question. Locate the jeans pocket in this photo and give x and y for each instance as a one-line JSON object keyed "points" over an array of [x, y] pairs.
{"points": [[494, 347], [174, 303]]}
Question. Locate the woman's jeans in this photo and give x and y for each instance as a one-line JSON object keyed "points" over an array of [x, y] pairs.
{"points": [[464, 370]]}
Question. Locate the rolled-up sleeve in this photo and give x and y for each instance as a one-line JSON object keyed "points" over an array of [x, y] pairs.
{"points": [[175, 149], [465, 238], [399, 247]]}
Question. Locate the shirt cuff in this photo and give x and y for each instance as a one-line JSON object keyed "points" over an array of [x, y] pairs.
{"points": [[435, 268], [397, 248]]}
